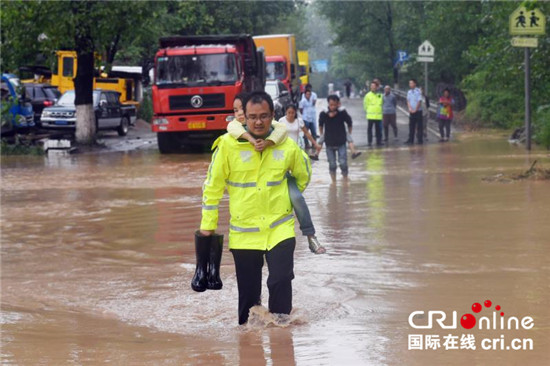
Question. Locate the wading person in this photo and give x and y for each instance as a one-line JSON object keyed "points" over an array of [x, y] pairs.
{"points": [[349, 139], [261, 221], [307, 109], [290, 126], [389, 113], [293, 126], [372, 104], [414, 102], [332, 125]]}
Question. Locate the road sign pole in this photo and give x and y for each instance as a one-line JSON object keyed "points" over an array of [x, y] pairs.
{"points": [[426, 78], [527, 99]]}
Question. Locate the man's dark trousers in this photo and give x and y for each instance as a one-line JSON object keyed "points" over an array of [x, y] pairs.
{"points": [[377, 123], [416, 124], [248, 266]]}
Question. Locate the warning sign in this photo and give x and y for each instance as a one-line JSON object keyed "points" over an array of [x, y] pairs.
{"points": [[527, 22]]}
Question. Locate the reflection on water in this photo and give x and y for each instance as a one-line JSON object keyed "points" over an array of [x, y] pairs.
{"points": [[376, 195], [97, 255]]}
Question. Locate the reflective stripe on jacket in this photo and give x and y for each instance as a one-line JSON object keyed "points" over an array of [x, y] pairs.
{"points": [[259, 203], [373, 105]]}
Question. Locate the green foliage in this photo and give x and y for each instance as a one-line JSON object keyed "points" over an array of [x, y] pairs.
{"points": [[19, 147], [495, 108], [495, 85], [541, 126], [145, 111], [6, 117], [131, 28], [472, 46]]}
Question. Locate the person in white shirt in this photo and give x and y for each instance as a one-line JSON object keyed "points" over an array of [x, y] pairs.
{"points": [[309, 114], [294, 125]]}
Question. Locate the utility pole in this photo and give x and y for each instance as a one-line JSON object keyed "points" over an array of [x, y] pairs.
{"points": [[527, 98]]}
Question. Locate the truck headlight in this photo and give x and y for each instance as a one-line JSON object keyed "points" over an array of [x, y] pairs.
{"points": [[160, 121], [46, 114]]}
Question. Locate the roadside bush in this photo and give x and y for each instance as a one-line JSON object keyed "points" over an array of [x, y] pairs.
{"points": [[145, 111], [6, 116], [541, 126], [19, 147], [494, 108]]}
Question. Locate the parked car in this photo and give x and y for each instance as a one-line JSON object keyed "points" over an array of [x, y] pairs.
{"points": [[110, 114], [280, 95], [41, 96], [16, 107]]}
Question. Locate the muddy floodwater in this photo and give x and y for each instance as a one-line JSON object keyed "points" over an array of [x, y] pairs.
{"points": [[97, 256]]}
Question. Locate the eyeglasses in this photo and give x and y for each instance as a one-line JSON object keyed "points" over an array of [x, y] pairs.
{"points": [[264, 117]]}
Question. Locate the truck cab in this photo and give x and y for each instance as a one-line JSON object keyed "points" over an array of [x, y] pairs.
{"points": [[281, 60], [196, 79]]}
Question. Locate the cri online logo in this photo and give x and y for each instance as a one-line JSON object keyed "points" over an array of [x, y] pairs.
{"points": [[468, 321]]}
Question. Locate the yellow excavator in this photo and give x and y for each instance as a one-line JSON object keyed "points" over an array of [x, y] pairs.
{"points": [[124, 80]]}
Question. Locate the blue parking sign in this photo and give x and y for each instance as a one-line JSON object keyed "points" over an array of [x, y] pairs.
{"points": [[402, 56]]}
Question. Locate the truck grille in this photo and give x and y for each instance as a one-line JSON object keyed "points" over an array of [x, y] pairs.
{"points": [[209, 101]]}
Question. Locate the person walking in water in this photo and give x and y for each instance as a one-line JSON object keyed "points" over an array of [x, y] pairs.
{"points": [[307, 109], [332, 125], [349, 139], [294, 125], [261, 224], [445, 115], [414, 103], [389, 113], [372, 104]]}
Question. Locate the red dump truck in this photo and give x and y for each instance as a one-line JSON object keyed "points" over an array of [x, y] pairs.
{"points": [[196, 79]]}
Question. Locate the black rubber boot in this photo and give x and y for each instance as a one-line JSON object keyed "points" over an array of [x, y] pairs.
{"points": [[202, 253], [216, 248]]}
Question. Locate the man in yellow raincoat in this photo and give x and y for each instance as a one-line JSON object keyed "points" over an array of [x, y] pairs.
{"points": [[261, 222]]}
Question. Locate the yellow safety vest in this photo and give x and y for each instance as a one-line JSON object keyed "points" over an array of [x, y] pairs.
{"points": [[373, 105], [259, 203]]}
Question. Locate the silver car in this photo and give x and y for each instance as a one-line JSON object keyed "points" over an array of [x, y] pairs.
{"points": [[109, 114]]}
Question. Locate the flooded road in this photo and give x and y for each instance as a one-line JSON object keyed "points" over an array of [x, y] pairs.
{"points": [[97, 257]]}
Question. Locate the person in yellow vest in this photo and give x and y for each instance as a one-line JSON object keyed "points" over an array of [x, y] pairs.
{"points": [[261, 221], [372, 103]]}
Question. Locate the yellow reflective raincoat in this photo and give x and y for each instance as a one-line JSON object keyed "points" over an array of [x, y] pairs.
{"points": [[372, 103], [259, 203]]}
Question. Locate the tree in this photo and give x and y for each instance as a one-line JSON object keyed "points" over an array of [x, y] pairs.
{"points": [[131, 29], [371, 32]]}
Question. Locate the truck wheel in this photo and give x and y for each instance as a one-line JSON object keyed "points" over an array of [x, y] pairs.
{"points": [[168, 142], [123, 127]]}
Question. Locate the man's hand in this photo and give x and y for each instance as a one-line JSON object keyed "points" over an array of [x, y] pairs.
{"points": [[206, 232], [261, 144]]}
